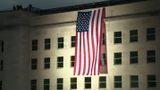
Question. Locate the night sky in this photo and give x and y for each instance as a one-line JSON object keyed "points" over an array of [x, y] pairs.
{"points": [[43, 4]]}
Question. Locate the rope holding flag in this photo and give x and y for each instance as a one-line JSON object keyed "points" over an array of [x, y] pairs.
{"points": [[89, 36]]}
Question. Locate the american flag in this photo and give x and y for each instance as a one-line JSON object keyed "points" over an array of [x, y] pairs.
{"points": [[88, 51]]}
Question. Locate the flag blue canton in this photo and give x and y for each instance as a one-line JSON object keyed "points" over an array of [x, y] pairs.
{"points": [[83, 20]]}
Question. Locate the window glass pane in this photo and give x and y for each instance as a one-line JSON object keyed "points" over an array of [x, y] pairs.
{"points": [[73, 40], [151, 34], [133, 57], [60, 42], [151, 56], [59, 62], [73, 83], [102, 82], [47, 43], [47, 63], [117, 81], [118, 58], [46, 84], [134, 81], [87, 82], [117, 37], [33, 84], [33, 63], [133, 36], [72, 61], [34, 45], [151, 80], [59, 83]]}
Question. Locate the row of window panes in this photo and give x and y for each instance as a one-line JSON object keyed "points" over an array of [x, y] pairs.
{"points": [[150, 35], [151, 57], [47, 43], [60, 43], [73, 83], [134, 82], [60, 60]]}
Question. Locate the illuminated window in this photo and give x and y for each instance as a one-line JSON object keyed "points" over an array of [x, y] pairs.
{"points": [[47, 44], [60, 42]]}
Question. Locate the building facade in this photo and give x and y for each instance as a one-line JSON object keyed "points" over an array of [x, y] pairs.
{"points": [[37, 51]]}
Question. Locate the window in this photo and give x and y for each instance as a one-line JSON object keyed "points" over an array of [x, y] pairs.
{"points": [[151, 56], [59, 83], [47, 44], [151, 80], [151, 34], [73, 41], [33, 63], [102, 82], [118, 82], [133, 57], [117, 58], [72, 61], [33, 84], [87, 82], [34, 45], [0, 85], [73, 83], [134, 81], [1, 65], [133, 36], [117, 37], [2, 46], [60, 42], [47, 63], [46, 84], [60, 62], [104, 38]]}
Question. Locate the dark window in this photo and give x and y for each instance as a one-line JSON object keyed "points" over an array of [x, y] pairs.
{"points": [[33, 63], [33, 84], [1, 65], [0, 85], [2, 46], [133, 36], [59, 83], [59, 62], [102, 82], [151, 34], [47, 63], [47, 44], [104, 38], [72, 61], [73, 83], [87, 82], [117, 37], [133, 57], [73, 41], [117, 58], [60, 42], [134, 81], [46, 84], [151, 56], [34, 45], [151, 80], [118, 82]]}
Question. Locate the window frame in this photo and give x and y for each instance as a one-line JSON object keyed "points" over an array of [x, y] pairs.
{"points": [[34, 84], [73, 41], [59, 83], [47, 63], [34, 45], [34, 63], [119, 59], [133, 35], [133, 57], [60, 41], [151, 83], [134, 81], [46, 84], [151, 34], [47, 43], [102, 81], [117, 81], [117, 37], [151, 58], [73, 83], [72, 61], [60, 60], [88, 83]]}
